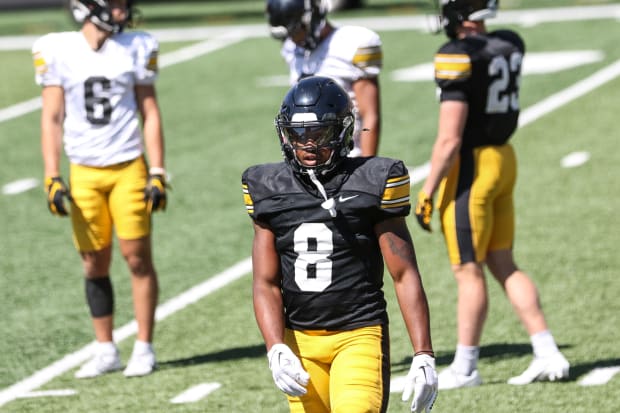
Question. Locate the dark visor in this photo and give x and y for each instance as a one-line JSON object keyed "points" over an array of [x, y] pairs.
{"points": [[319, 135]]}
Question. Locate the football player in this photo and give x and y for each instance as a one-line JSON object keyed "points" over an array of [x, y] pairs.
{"points": [[324, 223], [351, 55], [473, 166], [97, 88]]}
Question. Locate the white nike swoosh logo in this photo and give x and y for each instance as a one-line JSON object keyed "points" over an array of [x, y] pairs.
{"points": [[346, 198]]}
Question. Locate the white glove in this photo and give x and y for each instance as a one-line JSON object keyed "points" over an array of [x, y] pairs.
{"points": [[422, 382], [286, 370]]}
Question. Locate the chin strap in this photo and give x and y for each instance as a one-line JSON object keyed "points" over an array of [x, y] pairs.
{"points": [[329, 204]]}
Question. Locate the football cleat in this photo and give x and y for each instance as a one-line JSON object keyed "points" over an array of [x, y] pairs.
{"points": [[552, 368], [106, 360], [450, 379], [141, 363]]}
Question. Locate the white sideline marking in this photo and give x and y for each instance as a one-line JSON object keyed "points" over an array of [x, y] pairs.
{"points": [[195, 393], [49, 393], [19, 186], [171, 58], [599, 376], [575, 159], [177, 303]]}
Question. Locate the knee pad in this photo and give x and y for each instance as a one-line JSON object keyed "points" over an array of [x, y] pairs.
{"points": [[100, 296]]}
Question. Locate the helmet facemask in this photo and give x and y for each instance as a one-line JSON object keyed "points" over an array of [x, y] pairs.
{"points": [[325, 142]]}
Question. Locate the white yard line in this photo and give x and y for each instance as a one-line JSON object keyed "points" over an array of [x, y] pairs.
{"points": [[196, 393], [599, 376], [177, 303], [49, 393], [569, 94], [575, 159], [20, 109]]}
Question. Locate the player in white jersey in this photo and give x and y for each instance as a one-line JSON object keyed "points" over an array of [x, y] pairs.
{"points": [[351, 55], [97, 85]]}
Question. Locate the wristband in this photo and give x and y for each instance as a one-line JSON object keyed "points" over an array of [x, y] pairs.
{"points": [[157, 170]]}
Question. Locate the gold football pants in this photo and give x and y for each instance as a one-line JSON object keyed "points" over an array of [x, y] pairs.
{"points": [[108, 198], [476, 203], [349, 370]]}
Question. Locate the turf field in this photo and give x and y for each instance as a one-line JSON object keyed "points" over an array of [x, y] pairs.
{"points": [[218, 98]]}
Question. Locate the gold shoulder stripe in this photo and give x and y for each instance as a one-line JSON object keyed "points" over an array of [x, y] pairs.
{"points": [[247, 199], [152, 63], [452, 66], [396, 192], [39, 63], [368, 56]]}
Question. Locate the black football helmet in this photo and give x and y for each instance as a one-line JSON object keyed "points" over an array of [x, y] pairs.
{"points": [[100, 13], [287, 16], [455, 12], [320, 110]]}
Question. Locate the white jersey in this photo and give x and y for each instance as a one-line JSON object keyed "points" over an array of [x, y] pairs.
{"points": [[101, 125], [348, 54]]}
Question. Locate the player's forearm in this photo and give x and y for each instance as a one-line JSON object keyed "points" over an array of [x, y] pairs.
{"points": [[444, 154], [268, 310], [371, 130], [414, 308], [51, 147], [154, 142]]}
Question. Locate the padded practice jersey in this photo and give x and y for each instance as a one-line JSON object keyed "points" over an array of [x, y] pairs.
{"points": [[101, 125], [332, 268], [348, 54], [483, 71]]}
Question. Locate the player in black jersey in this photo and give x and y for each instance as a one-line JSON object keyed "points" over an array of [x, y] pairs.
{"points": [[474, 168], [324, 225]]}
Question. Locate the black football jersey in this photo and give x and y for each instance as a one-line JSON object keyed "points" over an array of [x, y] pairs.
{"points": [[484, 71], [332, 267]]}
